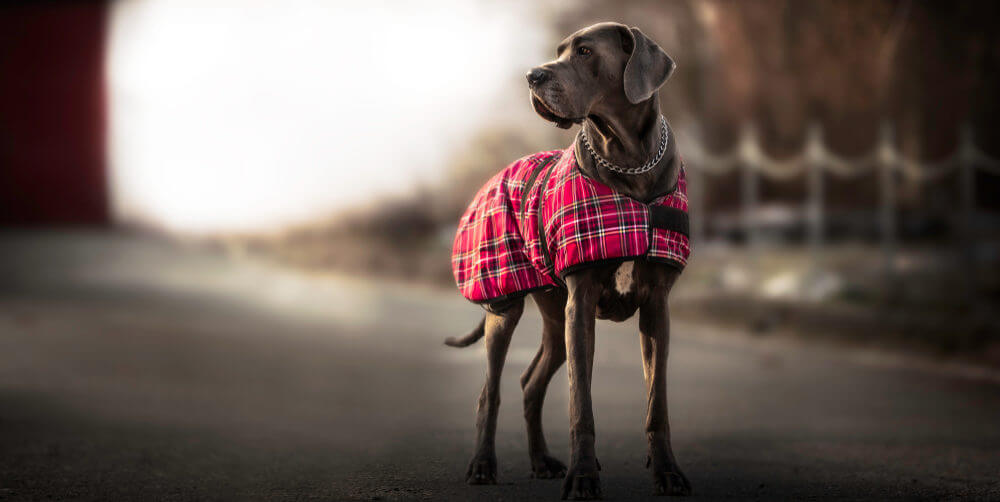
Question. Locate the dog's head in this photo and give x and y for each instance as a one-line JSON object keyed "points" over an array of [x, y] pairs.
{"points": [[603, 63]]}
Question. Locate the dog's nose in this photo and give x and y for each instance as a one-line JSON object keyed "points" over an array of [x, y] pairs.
{"points": [[537, 76]]}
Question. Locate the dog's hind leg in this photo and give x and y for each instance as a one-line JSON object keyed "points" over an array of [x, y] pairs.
{"points": [[499, 326], [551, 356]]}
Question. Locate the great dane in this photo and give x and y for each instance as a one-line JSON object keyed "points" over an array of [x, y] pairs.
{"points": [[606, 78]]}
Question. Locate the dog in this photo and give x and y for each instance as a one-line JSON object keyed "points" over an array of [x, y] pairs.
{"points": [[532, 231]]}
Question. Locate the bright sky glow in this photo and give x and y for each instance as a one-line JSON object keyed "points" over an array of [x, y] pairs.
{"points": [[251, 114]]}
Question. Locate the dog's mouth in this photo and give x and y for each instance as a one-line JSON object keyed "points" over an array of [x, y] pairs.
{"points": [[542, 109]]}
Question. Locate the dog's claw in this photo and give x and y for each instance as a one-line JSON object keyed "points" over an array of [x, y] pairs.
{"points": [[548, 468], [671, 483], [668, 480], [581, 485], [482, 471]]}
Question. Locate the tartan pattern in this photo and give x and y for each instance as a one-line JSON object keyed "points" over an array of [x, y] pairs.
{"points": [[498, 252], [489, 257]]}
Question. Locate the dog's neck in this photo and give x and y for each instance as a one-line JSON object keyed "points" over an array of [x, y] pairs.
{"points": [[628, 135]]}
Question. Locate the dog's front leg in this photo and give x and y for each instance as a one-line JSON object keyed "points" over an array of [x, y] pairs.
{"points": [[654, 327], [582, 481]]}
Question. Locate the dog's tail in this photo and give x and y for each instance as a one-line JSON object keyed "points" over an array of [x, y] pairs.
{"points": [[470, 338]]}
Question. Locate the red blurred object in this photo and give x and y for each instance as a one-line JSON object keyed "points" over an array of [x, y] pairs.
{"points": [[52, 114]]}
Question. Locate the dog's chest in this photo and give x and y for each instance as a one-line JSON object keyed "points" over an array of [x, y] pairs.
{"points": [[621, 292], [624, 277]]}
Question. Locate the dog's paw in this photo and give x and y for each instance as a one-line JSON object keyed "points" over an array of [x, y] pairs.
{"points": [[671, 484], [668, 480], [547, 468], [581, 484], [482, 470]]}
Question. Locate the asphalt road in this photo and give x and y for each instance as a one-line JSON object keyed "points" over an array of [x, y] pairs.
{"points": [[131, 369]]}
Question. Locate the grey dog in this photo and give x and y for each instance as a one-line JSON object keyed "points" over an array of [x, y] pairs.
{"points": [[606, 77]]}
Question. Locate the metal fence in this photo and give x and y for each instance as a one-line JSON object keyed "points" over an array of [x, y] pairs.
{"points": [[815, 161]]}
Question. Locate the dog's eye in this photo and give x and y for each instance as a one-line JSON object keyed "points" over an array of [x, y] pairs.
{"points": [[583, 51]]}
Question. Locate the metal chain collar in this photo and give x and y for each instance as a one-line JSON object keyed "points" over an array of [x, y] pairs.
{"points": [[631, 170]]}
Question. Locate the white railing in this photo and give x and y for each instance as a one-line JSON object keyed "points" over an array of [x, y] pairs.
{"points": [[816, 160]]}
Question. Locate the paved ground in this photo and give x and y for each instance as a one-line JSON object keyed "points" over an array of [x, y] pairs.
{"points": [[135, 370]]}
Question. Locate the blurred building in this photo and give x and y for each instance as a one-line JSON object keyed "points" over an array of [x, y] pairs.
{"points": [[52, 114]]}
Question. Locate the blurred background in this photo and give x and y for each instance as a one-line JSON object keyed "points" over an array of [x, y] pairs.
{"points": [[226, 234]]}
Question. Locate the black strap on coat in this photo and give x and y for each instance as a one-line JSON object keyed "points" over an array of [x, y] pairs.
{"points": [[669, 218]]}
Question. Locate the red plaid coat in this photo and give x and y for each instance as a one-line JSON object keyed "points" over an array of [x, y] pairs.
{"points": [[500, 252]]}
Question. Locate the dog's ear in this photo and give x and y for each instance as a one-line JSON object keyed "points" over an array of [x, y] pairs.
{"points": [[648, 66]]}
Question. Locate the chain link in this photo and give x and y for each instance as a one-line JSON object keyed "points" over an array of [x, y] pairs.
{"points": [[631, 170]]}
